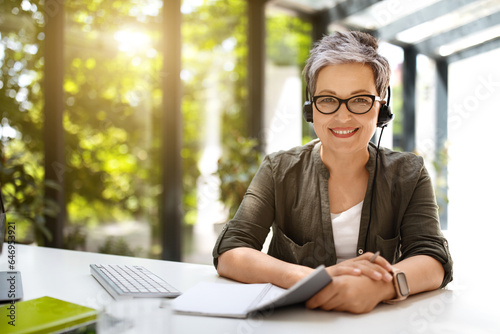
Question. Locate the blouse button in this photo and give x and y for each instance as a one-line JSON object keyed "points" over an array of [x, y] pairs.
{"points": [[360, 251]]}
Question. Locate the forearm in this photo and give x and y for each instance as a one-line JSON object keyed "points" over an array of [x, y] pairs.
{"points": [[423, 273], [248, 265]]}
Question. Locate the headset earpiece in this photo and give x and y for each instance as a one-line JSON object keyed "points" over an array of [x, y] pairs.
{"points": [[385, 114], [307, 109]]}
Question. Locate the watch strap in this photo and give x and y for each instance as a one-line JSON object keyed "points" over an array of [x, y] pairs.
{"points": [[400, 295]]}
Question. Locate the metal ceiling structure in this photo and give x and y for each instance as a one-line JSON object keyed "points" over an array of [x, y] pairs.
{"points": [[440, 29], [444, 30]]}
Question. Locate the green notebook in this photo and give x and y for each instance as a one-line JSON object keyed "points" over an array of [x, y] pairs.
{"points": [[46, 315]]}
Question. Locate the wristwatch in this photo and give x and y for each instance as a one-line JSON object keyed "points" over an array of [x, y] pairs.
{"points": [[401, 286]]}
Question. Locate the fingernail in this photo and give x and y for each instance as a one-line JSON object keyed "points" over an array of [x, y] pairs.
{"points": [[357, 271], [388, 277], [377, 275]]}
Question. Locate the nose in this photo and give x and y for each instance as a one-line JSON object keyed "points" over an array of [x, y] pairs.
{"points": [[343, 114]]}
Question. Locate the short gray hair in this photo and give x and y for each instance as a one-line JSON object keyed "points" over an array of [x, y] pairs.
{"points": [[347, 47]]}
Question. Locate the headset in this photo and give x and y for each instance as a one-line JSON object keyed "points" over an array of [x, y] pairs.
{"points": [[385, 114], [384, 117]]}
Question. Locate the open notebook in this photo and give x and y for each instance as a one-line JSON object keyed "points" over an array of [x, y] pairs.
{"points": [[238, 300]]}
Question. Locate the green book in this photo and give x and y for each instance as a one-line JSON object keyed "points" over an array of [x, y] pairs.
{"points": [[46, 315]]}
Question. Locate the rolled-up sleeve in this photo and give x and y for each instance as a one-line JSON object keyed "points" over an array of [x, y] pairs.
{"points": [[251, 223], [420, 229]]}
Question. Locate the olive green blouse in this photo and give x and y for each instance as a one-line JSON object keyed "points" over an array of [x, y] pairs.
{"points": [[290, 194]]}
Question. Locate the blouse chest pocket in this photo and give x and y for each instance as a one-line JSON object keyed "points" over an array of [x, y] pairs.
{"points": [[388, 248], [284, 248]]}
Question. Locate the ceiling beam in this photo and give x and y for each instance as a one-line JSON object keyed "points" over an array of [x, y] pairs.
{"points": [[430, 46], [345, 9], [440, 8], [293, 6], [489, 45]]}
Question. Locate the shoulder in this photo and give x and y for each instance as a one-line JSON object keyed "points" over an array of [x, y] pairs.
{"points": [[400, 159], [405, 164], [296, 154], [300, 160]]}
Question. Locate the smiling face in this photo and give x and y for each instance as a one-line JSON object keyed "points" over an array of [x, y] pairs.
{"points": [[344, 132]]}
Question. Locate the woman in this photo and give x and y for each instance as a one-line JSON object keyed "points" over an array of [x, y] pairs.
{"points": [[339, 199]]}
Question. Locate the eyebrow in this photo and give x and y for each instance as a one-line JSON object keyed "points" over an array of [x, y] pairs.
{"points": [[327, 91]]}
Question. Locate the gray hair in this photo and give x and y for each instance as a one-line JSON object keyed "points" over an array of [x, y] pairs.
{"points": [[347, 47]]}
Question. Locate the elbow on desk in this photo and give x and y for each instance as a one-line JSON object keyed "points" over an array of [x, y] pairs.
{"points": [[234, 263], [220, 264]]}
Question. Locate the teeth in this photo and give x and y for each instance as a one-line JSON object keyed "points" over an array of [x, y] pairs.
{"points": [[344, 132]]}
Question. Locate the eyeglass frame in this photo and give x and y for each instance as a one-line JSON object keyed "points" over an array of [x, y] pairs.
{"points": [[344, 101]]}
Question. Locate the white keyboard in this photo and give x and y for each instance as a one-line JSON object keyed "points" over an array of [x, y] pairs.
{"points": [[126, 281]]}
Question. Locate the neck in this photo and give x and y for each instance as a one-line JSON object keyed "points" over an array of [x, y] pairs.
{"points": [[345, 165]]}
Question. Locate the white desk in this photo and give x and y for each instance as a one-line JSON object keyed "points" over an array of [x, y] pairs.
{"points": [[468, 305]]}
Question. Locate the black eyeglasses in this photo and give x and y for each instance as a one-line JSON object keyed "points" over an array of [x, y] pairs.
{"points": [[358, 104]]}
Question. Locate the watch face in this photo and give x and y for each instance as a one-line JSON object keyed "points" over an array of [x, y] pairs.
{"points": [[403, 284]]}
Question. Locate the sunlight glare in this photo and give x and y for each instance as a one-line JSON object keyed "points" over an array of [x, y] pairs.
{"points": [[132, 41]]}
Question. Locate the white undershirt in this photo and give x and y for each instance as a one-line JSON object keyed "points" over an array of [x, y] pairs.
{"points": [[345, 227]]}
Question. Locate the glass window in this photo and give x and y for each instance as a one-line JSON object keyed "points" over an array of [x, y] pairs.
{"points": [[21, 98]]}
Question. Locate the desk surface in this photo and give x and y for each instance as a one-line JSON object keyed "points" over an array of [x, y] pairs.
{"points": [[466, 306]]}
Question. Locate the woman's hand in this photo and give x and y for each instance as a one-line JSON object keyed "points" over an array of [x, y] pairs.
{"points": [[355, 294], [380, 269]]}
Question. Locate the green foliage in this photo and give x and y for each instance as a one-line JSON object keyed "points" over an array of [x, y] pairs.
{"points": [[288, 40], [397, 109], [118, 246], [440, 164], [215, 53], [21, 161], [25, 204], [75, 236], [215, 57], [113, 112], [112, 100], [236, 169], [113, 105]]}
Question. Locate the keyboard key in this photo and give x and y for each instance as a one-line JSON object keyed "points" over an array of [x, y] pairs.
{"points": [[131, 281]]}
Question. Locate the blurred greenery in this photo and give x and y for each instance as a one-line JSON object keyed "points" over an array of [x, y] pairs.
{"points": [[112, 105], [236, 169], [397, 110], [20, 186], [21, 170], [288, 40], [118, 246], [440, 165]]}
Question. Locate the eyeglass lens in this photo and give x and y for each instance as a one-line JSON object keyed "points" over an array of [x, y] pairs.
{"points": [[356, 104]]}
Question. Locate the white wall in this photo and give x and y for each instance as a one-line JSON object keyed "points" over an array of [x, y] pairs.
{"points": [[283, 108], [473, 132]]}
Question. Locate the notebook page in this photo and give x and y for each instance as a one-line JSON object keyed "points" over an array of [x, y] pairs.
{"points": [[219, 299]]}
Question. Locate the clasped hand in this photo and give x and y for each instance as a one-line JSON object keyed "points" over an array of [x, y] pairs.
{"points": [[358, 285]]}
